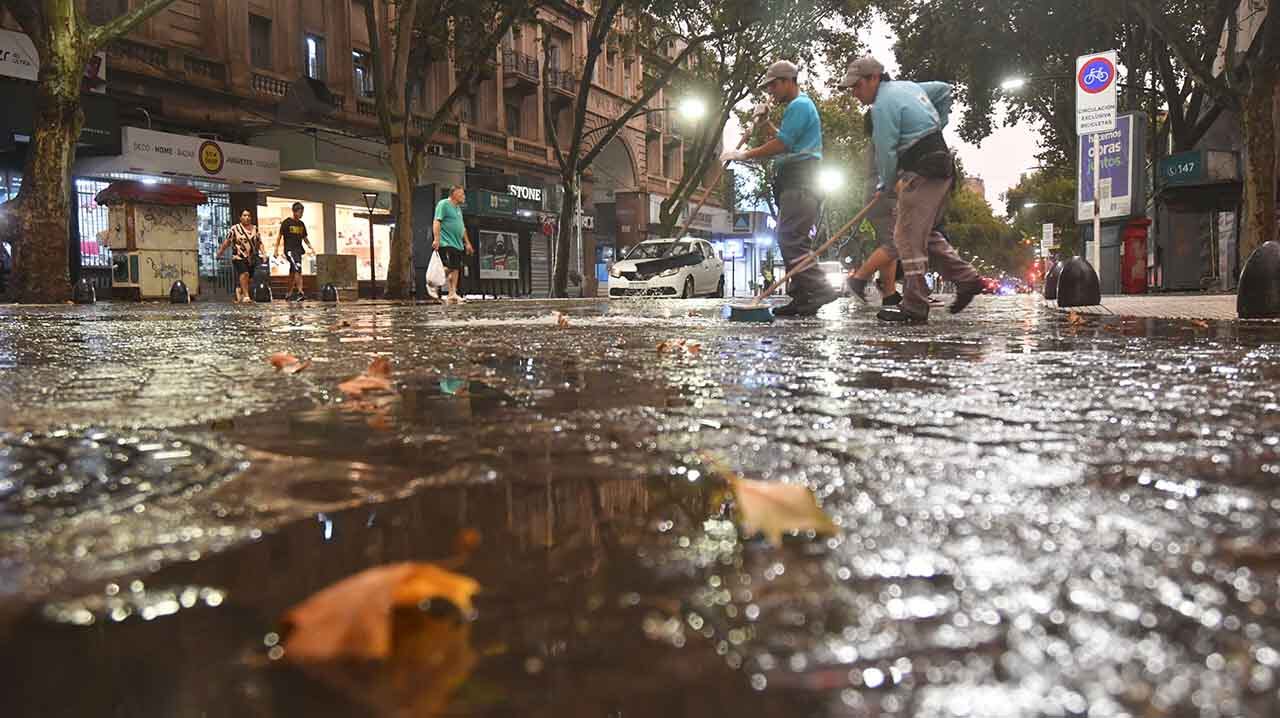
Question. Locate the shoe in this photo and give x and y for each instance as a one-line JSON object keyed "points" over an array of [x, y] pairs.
{"points": [[892, 300], [299, 297], [808, 303], [964, 295], [898, 316], [857, 288], [433, 292]]}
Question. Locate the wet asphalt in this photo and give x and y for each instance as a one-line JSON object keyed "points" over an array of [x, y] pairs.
{"points": [[1041, 514]]}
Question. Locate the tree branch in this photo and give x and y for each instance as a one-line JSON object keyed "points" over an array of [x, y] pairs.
{"points": [[122, 25], [1197, 69]]}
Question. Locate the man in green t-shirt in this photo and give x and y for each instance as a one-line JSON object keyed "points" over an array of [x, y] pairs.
{"points": [[451, 238]]}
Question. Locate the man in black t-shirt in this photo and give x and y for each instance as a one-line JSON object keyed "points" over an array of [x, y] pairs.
{"points": [[293, 234]]}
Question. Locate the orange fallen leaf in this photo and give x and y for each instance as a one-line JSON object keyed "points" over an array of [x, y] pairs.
{"points": [[1200, 323], [772, 508], [353, 617], [295, 367], [280, 360], [356, 386], [380, 367]]}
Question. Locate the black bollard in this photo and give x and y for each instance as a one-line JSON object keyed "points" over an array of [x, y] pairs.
{"points": [[261, 290], [1259, 294], [1051, 281], [1078, 284], [83, 292], [329, 293], [178, 293]]}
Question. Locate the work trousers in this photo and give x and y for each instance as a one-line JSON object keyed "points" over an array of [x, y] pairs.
{"points": [[797, 214], [921, 203]]}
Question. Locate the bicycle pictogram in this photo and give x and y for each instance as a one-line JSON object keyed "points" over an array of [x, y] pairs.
{"points": [[1096, 75]]}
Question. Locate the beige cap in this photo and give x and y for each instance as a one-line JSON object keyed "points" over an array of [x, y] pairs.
{"points": [[865, 66], [780, 70]]}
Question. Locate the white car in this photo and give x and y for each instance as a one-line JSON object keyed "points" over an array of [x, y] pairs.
{"points": [[682, 268]]}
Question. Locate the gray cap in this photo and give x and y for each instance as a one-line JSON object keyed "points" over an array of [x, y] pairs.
{"points": [[780, 70], [865, 66]]}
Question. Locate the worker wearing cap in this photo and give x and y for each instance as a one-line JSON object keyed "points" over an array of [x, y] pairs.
{"points": [[913, 159], [796, 150]]}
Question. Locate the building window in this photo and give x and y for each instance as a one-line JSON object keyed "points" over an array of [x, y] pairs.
{"points": [[313, 57], [103, 11], [260, 42], [513, 120], [362, 66]]}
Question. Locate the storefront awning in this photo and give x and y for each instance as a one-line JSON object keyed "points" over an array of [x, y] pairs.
{"points": [[148, 152], [331, 158]]}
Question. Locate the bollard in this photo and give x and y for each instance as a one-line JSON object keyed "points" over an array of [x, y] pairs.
{"points": [[1078, 284], [1051, 281], [1258, 296], [261, 290], [178, 293], [329, 293], [83, 292]]}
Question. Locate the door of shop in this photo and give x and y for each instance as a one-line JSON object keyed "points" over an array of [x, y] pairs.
{"points": [[540, 265]]}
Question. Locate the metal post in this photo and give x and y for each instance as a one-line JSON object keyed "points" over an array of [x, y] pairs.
{"points": [[1097, 204], [577, 235], [373, 275]]}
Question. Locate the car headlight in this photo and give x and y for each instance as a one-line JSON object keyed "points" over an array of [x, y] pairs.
{"points": [[614, 272], [670, 272]]}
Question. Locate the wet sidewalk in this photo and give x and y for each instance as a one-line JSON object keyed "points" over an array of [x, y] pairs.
{"points": [[1216, 307], [1039, 513]]}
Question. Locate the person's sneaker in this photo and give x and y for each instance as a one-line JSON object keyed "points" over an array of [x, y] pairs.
{"points": [[899, 316], [964, 295], [892, 300], [808, 303], [299, 297], [857, 288], [433, 292]]}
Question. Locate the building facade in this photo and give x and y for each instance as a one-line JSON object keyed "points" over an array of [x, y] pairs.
{"points": [[284, 89]]}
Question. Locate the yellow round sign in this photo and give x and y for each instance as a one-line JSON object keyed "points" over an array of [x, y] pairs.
{"points": [[211, 158]]}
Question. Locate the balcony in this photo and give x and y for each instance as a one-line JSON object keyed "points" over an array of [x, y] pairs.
{"points": [[519, 72], [562, 84], [269, 85], [488, 70], [207, 70], [653, 124]]}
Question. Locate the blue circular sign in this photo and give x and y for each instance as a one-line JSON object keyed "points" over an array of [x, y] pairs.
{"points": [[1096, 75]]}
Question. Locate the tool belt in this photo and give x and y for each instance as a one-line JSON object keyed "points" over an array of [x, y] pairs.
{"points": [[929, 158], [796, 174]]}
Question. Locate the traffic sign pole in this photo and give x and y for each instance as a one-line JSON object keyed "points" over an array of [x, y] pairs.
{"points": [[1097, 203], [1096, 114]]}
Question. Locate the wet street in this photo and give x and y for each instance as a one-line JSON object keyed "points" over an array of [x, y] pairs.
{"points": [[1039, 514]]}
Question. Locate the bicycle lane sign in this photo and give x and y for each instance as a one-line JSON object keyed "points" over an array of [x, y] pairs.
{"points": [[1096, 93]]}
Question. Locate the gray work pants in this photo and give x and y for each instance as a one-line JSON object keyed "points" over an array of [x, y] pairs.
{"points": [[921, 203], [797, 213]]}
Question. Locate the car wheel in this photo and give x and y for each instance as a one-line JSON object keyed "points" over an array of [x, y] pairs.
{"points": [[688, 288], [720, 288]]}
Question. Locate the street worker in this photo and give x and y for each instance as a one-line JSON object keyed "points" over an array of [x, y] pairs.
{"points": [[450, 238], [882, 217], [796, 150], [913, 160], [293, 234], [246, 247]]}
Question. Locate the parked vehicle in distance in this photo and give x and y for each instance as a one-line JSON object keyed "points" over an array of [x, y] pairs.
{"points": [[685, 268]]}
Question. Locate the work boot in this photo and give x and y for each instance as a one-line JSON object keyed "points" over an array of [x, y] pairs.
{"points": [[892, 300], [897, 315], [964, 295], [857, 288], [807, 303]]}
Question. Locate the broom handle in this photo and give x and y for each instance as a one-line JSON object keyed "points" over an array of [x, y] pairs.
{"points": [[719, 173], [811, 258]]}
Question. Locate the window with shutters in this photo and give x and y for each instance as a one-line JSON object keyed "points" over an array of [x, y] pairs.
{"points": [[313, 58], [260, 42]]}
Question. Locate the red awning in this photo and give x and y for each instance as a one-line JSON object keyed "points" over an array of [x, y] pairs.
{"points": [[167, 194]]}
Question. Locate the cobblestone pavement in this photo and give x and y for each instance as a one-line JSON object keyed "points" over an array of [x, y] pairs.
{"points": [[1040, 513]]}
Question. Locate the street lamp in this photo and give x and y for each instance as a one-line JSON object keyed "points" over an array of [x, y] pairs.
{"points": [[370, 201], [1029, 205], [830, 180], [692, 108]]}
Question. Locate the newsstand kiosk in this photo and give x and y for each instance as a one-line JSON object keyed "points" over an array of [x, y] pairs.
{"points": [[153, 235]]}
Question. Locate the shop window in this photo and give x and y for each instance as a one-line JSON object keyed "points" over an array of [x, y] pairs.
{"points": [[313, 58], [101, 12], [362, 66], [269, 219], [260, 42], [353, 239]]}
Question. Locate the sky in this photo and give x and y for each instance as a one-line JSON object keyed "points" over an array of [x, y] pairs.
{"points": [[1000, 160]]}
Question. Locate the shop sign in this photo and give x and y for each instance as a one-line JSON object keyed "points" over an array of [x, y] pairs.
{"points": [[532, 194], [483, 202], [1184, 168], [499, 255], [19, 59], [151, 152]]}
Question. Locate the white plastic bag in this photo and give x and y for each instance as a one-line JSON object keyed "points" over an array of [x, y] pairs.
{"points": [[435, 271]]}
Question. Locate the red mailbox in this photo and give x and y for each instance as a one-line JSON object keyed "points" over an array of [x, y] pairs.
{"points": [[1133, 257]]}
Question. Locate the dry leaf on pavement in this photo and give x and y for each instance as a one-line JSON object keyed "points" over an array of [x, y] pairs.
{"points": [[358, 385], [288, 363], [773, 508], [562, 320], [379, 367]]}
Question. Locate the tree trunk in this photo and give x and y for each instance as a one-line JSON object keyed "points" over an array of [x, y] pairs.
{"points": [[400, 262], [1258, 122], [560, 281], [42, 210]]}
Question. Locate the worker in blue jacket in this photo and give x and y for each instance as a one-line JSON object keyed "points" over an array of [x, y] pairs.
{"points": [[912, 157]]}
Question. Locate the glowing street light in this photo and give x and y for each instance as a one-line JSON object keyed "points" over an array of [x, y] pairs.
{"points": [[1013, 84], [692, 108], [830, 180]]}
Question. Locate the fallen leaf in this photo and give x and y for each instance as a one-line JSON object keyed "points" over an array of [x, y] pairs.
{"points": [[693, 347], [562, 320], [380, 367], [280, 360], [1200, 323], [1075, 318], [295, 367], [772, 508], [356, 386]]}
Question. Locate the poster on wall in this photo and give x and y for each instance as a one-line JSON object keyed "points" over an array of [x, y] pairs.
{"points": [[353, 238], [269, 219], [499, 255]]}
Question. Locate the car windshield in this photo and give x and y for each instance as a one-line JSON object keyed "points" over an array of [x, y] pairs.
{"points": [[657, 250]]}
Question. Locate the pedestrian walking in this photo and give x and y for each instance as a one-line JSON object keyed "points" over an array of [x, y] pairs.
{"points": [[451, 239], [293, 235], [246, 252], [796, 149], [913, 160], [882, 217]]}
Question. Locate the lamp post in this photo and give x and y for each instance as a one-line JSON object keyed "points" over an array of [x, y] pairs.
{"points": [[370, 201]]}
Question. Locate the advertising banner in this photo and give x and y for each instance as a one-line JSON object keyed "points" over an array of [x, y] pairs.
{"points": [[499, 255], [1123, 164]]}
